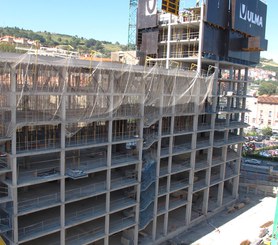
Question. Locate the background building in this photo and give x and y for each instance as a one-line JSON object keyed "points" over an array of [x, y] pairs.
{"points": [[264, 112]]}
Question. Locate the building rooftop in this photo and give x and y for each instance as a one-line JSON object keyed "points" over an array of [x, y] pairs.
{"points": [[17, 58], [268, 99]]}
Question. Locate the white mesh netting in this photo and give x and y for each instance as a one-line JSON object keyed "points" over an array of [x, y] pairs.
{"points": [[48, 90]]}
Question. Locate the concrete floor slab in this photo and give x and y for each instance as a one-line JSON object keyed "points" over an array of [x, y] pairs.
{"points": [[232, 228]]}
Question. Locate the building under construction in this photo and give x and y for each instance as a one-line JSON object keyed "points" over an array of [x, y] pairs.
{"points": [[106, 153]]}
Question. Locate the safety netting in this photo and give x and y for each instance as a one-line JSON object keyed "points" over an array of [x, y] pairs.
{"points": [[41, 90]]}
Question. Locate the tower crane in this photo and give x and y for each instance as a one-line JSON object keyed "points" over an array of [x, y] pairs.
{"points": [[133, 5]]}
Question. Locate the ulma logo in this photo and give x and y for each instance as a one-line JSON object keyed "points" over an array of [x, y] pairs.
{"points": [[150, 7], [249, 16]]}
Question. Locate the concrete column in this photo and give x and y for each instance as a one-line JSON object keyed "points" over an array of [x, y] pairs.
{"points": [[107, 217], [220, 194], [222, 177], [154, 226], [205, 201], [201, 40], [238, 99], [158, 153], [168, 43], [214, 87], [211, 138], [63, 79], [237, 172], [140, 163], [108, 183], [222, 174], [109, 161], [13, 155], [190, 188], [194, 135], [166, 219], [244, 92], [206, 192]]}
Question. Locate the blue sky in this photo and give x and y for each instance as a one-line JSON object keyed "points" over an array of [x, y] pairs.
{"points": [[99, 19]]}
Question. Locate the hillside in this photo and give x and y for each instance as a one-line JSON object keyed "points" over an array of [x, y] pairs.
{"points": [[268, 64], [48, 39]]}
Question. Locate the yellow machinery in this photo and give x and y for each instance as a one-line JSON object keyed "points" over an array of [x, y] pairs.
{"points": [[2, 242]]}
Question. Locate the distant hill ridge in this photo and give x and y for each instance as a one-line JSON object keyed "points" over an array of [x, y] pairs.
{"points": [[48, 39], [268, 64]]}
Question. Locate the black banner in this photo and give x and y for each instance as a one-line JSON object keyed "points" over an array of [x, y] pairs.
{"points": [[217, 12]]}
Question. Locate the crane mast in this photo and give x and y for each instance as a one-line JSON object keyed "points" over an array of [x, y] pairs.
{"points": [[133, 5]]}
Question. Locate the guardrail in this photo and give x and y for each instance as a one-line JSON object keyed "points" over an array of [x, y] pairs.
{"points": [[85, 190], [39, 227], [121, 202], [41, 173], [122, 181], [38, 202], [181, 37], [37, 145], [181, 148], [176, 185], [85, 213], [202, 143], [123, 158], [89, 163], [121, 224], [87, 236], [89, 139]]}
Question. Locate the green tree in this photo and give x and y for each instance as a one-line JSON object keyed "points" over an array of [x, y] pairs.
{"points": [[90, 43], [7, 47], [99, 47], [75, 41], [267, 131], [267, 88], [46, 38]]}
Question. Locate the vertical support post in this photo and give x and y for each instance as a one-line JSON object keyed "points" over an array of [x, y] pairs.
{"points": [[140, 161], [64, 81], [168, 42], [201, 40], [13, 155], [244, 92], [109, 159]]}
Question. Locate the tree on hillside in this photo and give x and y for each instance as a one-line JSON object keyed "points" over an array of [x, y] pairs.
{"points": [[267, 131], [46, 38], [90, 43], [75, 41], [7, 47], [99, 47], [267, 88]]}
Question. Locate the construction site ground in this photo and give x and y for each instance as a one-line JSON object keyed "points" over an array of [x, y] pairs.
{"points": [[234, 227]]}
